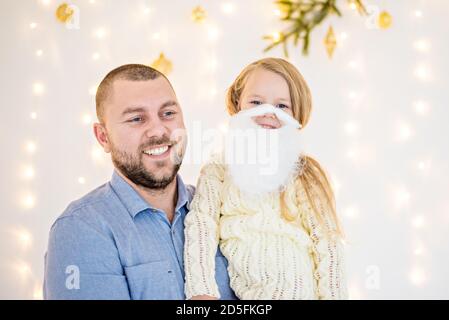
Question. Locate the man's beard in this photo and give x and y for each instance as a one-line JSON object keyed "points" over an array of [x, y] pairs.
{"points": [[133, 168], [261, 160]]}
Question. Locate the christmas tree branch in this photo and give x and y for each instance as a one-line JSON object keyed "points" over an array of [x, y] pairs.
{"points": [[304, 16]]}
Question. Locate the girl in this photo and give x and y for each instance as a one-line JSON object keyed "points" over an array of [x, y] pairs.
{"points": [[283, 239]]}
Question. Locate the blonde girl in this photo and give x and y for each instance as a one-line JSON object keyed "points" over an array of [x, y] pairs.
{"points": [[278, 245]]}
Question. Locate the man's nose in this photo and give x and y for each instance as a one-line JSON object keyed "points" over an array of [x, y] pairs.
{"points": [[156, 128]]}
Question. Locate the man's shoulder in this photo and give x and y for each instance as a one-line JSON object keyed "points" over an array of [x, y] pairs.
{"points": [[88, 208]]}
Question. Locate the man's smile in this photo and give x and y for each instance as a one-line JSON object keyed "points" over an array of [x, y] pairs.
{"points": [[158, 152]]}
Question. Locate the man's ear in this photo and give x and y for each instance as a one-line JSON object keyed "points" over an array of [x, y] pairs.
{"points": [[102, 137]]}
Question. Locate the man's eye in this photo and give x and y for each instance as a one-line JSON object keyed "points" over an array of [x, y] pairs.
{"points": [[282, 106], [136, 119], [168, 114], [256, 102]]}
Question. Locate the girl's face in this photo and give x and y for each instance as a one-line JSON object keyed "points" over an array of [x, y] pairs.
{"points": [[263, 86]]}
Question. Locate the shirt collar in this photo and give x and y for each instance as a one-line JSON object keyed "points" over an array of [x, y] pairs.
{"points": [[135, 204]]}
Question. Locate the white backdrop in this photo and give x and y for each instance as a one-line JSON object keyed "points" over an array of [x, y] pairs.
{"points": [[379, 124]]}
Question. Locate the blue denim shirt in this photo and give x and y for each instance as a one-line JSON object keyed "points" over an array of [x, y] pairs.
{"points": [[111, 244]]}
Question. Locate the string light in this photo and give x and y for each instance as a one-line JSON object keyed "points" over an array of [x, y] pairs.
{"points": [[352, 64], [156, 36], [403, 132], [212, 33], [213, 91], [422, 72], [30, 147], [352, 5], [422, 45], [361, 154], [228, 8], [424, 166], [351, 128], [23, 269], [212, 64], [81, 180], [24, 237], [223, 127], [39, 53], [419, 250], [417, 276], [418, 222], [33, 25], [86, 119], [352, 95], [38, 88], [28, 172], [95, 56], [354, 292], [33, 115], [421, 107], [28, 201], [100, 33], [343, 36], [351, 212], [98, 155], [38, 292], [402, 197], [276, 36], [93, 90]]}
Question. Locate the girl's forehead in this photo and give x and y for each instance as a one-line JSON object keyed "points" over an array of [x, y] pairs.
{"points": [[261, 81]]}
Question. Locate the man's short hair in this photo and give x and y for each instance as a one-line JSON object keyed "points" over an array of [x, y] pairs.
{"points": [[132, 72]]}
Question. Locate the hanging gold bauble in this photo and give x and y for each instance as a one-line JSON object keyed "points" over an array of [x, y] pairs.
{"points": [[198, 14], [330, 41], [64, 13], [162, 64], [384, 20]]}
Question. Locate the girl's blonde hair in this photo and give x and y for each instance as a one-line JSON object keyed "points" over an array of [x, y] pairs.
{"points": [[313, 177]]}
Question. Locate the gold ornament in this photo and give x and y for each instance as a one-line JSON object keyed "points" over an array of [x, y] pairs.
{"points": [[384, 20], [162, 64], [198, 14], [64, 13], [330, 42]]}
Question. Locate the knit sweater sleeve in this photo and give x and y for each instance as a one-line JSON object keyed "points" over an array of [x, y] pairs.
{"points": [[201, 232], [327, 251]]}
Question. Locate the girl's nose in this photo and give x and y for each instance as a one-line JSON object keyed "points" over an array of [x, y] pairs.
{"points": [[270, 115]]}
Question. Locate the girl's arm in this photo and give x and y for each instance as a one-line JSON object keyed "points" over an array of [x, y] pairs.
{"points": [[327, 251], [201, 233]]}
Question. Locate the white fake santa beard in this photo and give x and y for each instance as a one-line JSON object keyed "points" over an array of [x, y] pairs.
{"points": [[260, 160]]}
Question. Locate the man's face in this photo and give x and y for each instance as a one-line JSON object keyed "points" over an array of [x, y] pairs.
{"points": [[145, 131]]}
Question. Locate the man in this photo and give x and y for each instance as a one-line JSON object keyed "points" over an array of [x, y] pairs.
{"points": [[125, 239]]}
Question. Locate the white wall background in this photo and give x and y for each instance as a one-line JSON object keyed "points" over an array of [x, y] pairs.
{"points": [[380, 123]]}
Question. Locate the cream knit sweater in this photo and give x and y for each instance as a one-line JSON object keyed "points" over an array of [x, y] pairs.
{"points": [[268, 257]]}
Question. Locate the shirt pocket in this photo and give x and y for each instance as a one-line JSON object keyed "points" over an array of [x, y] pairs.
{"points": [[152, 281]]}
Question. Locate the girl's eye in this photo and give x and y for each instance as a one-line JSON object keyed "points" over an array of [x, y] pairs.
{"points": [[256, 102], [282, 106]]}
